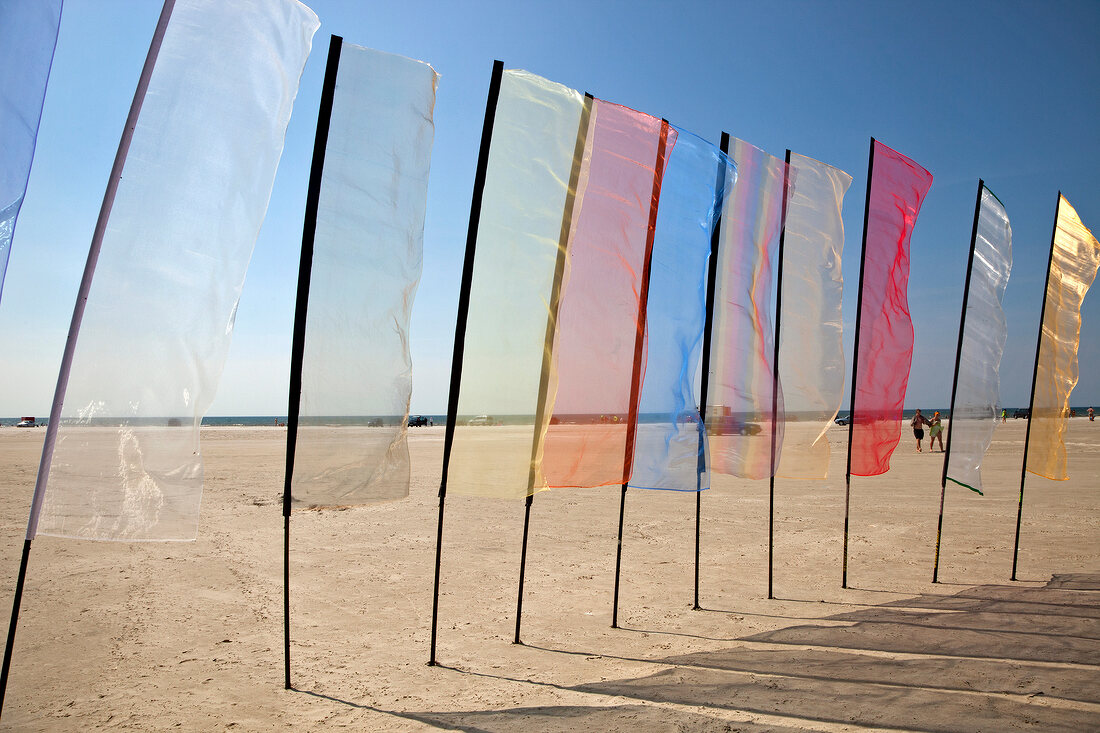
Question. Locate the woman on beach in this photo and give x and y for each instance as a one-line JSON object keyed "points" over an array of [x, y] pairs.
{"points": [[935, 432], [918, 422]]}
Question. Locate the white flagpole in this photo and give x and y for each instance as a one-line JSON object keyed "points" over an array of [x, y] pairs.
{"points": [[74, 326]]}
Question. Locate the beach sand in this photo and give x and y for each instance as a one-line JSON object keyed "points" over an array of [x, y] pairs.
{"points": [[188, 636]]}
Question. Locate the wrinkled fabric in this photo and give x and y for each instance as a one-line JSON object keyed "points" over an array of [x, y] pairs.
{"points": [[1073, 265], [368, 252], [28, 35], [670, 450], [599, 347], [740, 388], [885, 336], [811, 349], [159, 318], [507, 374], [977, 390]]}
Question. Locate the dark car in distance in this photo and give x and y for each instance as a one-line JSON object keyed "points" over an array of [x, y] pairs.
{"points": [[1020, 413], [729, 425], [843, 420], [417, 421]]}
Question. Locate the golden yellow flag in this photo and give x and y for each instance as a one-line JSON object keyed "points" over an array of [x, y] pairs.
{"points": [[1074, 259]]}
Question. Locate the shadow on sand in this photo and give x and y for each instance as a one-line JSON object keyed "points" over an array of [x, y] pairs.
{"points": [[988, 658]]}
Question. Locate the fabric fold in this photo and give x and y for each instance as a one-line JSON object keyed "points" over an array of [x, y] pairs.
{"points": [[1074, 260], [368, 253], [885, 335], [160, 312], [811, 349], [977, 390]]}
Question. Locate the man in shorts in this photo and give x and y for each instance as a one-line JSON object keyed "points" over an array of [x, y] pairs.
{"points": [[918, 422]]}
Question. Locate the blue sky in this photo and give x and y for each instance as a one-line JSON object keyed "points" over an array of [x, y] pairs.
{"points": [[1005, 91]]}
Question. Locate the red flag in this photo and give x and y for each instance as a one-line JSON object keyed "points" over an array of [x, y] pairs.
{"points": [[885, 334]]}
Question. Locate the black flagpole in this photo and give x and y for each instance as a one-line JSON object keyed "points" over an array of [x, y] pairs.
{"points": [[460, 324], [297, 349], [855, 365], [548, 343], [775, 371], [74, 329], [955, 379], [636, 373], [1034, 376], [704, 381]]}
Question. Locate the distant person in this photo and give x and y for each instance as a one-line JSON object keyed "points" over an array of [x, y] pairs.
{"points": [[935, 432], [918, 422], [1004, 415], [1092, 414]]}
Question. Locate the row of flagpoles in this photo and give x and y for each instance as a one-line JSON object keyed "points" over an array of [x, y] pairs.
{"points": [[609, 254]]}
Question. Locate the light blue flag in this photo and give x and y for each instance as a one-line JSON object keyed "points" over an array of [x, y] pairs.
{"points": [[670, 448], [28, 34]]}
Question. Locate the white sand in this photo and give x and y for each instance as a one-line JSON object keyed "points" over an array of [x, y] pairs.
{"points": [[188, 636]]}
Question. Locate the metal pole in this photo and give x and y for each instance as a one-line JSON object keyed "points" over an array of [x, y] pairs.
{"points": [[639, 344], [460, 325], [551, 330], [704, 380], [855, 365], [955, 379], [297, 349], [74, 326], [1031, 404], [775, 373]]}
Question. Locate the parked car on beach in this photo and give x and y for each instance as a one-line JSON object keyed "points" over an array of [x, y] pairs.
{"points": [[843, 420], [1020, 413], [481, 420], [417, 421]]}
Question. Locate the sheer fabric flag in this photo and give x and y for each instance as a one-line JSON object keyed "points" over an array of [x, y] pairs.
{"points": [[885, 338], [28, 34], [603, 302], [670, 447], [524, 225], [977, 392], [739, 409], [811, 349], [1073, 265], [368, 252], [160, 313]]}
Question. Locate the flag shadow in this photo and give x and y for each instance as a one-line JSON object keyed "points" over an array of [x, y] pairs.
{"points": [[993, 670]]}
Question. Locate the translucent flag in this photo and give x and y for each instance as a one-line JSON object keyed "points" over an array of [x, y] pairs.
{"points": [[368, 251], [739, 400], [811, 356], [1073, 263], [160, 312], [507, 375], [885, 336], [599, 346], [28, 34], [670, 447], [977, 389]]}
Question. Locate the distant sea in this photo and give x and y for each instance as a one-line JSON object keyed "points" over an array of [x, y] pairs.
{"points": [[273, 420]]}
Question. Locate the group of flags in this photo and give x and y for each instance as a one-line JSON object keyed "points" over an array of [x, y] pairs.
{"points": [[613, 260]]}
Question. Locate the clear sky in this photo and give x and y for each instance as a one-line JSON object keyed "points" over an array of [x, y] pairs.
{"points": [[1005, 91]]}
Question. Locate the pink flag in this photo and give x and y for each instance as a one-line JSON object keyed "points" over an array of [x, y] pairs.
{"points": [[884, 335]]}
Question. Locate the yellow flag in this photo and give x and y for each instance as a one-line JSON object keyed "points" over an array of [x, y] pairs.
{"points": [[1075, 257]]}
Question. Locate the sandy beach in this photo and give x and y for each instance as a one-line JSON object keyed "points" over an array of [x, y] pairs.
{"points": [[188, 636]]}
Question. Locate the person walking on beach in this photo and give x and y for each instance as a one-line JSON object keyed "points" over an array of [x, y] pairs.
{"points": [[935, 432], [918, 422], [1092, 414], [1004, 415]]}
